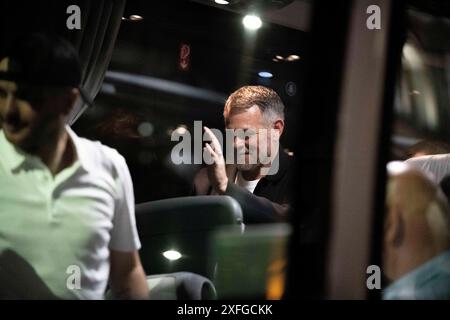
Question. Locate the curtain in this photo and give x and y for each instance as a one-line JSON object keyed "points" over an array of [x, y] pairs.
{"points": [[95, 41], [100, 22]]}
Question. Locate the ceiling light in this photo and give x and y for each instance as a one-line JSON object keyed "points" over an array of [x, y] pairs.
{"points": [[293, 57], [145, 129], [265, 74], [222, 2], [133, 17], [181, 130], [172, 255], [279, 57], [252, 22]]}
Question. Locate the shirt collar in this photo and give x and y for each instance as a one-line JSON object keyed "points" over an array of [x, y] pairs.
{"points": [[81, 153]]}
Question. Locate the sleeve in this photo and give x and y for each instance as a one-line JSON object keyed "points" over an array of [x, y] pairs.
{"points": [[257, 209], [437, 167], [124, 235]]}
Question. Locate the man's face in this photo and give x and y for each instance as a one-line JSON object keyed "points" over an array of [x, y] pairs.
{"points": [[29, 114], [255, 140]]}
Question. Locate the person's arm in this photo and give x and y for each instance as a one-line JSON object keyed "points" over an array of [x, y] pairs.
{"points": [[127, 277], [257, 209]]}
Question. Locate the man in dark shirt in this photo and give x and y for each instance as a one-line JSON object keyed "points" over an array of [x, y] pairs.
{"points": [[259, 176]]}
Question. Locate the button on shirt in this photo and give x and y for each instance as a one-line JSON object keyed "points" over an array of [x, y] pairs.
{"points": [[56, 231]]}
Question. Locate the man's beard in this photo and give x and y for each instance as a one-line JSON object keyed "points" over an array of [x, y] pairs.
{"points": [[42, 135], [247, 167]]}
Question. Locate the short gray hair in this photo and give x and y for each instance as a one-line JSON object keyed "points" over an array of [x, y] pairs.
{"points": [[267, 100]]}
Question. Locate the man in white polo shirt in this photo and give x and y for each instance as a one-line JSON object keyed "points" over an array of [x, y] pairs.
{"points": [[67, 222]]}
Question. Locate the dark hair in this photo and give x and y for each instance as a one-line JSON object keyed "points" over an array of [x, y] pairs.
{"points": [[429, 147], [43, 59]]}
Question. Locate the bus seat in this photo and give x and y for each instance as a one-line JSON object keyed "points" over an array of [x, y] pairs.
{"points": [[182, 226], [250, 265], [178, 286], [181, 286]]}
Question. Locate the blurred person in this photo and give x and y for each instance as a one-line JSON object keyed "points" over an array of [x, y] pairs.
{"points": [[416, 256], [67, 222], [428, 147], [262, 189], [437, 166]]}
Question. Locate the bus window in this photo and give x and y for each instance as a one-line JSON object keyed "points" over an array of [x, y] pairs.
{"points": [[416, 260], [170, 85], [173, 67], [276, 149]]}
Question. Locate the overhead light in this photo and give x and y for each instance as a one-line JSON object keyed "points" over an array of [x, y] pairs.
{"points": [[275, 60], [279, 57], [145, 129], [252, 22], [181, 130], [133, 17], [293, 57], [289, 152], [172, 255], [265, 74], [222, 2]]}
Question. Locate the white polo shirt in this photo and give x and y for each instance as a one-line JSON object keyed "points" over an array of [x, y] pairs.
{"points": [[56, 232]]}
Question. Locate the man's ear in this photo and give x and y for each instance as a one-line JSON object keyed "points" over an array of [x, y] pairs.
{"points": [[279, 126], [70, 99], [395, 226]]}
